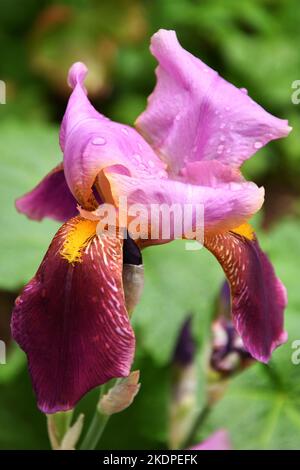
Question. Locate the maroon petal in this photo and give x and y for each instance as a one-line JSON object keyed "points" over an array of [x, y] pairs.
{"points": [[258, 296], [71, 318], [50, 198]]}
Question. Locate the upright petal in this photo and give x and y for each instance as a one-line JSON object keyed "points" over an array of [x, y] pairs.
{"points": [[71, 318], [91, 142], [210, 173], [258, 296], [194, 114], [50, 198]]}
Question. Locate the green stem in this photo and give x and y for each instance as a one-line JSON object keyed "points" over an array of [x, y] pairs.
{"points": [[197, 424], [95, 431], [98, 423]]}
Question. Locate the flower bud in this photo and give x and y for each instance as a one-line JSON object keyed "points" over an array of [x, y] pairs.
{"points": [[121, 395], [228, 353], [133, 284], [63, 436]]}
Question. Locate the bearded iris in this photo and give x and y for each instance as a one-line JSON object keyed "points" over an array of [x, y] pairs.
{"points": [[187, 148]]}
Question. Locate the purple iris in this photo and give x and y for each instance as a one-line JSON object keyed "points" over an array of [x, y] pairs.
{"points": [[197, 130]]}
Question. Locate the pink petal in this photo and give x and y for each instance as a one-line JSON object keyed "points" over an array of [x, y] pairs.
{"points": [[225, 207], [217, 441], [50, 198], [194, 114], [211, 173], [71, 318], [91, 142], [258, 296]]}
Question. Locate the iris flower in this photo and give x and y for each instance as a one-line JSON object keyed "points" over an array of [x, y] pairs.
{"points": [[187, 148]]}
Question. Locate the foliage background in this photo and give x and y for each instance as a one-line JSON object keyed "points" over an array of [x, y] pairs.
{"points": [[252, 43]]}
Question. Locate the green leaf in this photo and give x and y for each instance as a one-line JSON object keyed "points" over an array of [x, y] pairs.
{"points": [[282, 245], [27, 153], [22, 426], [177, 282], [16, 361], [261, 408]]}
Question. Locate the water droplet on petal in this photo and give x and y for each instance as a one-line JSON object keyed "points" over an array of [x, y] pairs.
{"points": [[125, 131], [244, 90], [258, 144], [137, 157], [220, 149], [151, 164], [222, 125], [99, 141]]}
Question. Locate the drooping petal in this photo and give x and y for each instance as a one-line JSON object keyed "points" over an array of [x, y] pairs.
{"points": [[71, 318], [91, 142], [50, 198], [225, 207], [258, 296], [194, 114], [217, 441]]}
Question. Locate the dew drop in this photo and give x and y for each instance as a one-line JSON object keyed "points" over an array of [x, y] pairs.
{"points": [[258, 145], [244, 90], [99, 141], [222, 125], [137, 157], [220, 149], [125, 131]]}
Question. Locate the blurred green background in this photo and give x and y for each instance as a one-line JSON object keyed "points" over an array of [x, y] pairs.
{"points": [[252, 43]]}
